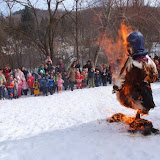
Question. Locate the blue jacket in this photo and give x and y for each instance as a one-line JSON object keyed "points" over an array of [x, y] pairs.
{"points": [[136, 39], [44, 82], [51, 82]]}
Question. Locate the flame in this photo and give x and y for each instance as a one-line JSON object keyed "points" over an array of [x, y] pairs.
{"points": [[116, 49], [135, 124]]}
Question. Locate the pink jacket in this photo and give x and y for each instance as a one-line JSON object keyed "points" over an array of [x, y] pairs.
{"points": [[20, 76], [60, 82], [24, 85]]}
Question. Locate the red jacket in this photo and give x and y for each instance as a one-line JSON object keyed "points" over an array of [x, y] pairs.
{"points": [[7, 73], [30, 81], [79, 77]]}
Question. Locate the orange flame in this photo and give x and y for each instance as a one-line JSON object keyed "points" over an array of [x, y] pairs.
{"points": [[116, 49]]}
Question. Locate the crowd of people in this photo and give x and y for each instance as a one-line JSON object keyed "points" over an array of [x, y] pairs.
{"points": [[51, 79]]}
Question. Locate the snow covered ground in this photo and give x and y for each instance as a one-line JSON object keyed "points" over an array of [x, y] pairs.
{"points": [[72, 126]]}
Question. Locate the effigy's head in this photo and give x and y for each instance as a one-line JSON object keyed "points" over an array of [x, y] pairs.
{"points": [[135, 43]]}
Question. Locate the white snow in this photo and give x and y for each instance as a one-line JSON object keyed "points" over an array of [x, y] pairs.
{"points": [[72, 126]]}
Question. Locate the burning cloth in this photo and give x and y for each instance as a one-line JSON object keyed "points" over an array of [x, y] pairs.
{"points": [[132, 86]]}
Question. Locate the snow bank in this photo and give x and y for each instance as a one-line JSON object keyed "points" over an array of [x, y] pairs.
{"points": [[72, 126]]}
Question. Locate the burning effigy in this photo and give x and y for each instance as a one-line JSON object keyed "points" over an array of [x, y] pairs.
{"points": [[132, 84]]}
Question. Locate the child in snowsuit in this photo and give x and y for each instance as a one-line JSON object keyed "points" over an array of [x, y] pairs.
{"points": [[51, 85], [78, 79], [55, 82], [2, 89], [10, 86], [25, 87], [60, 83], [45, 86], [84, 78], [19, 88], [40, 82], [30, 82], [16, 94], [91, 76], [36, 88], [97, 79], [66, 81]]}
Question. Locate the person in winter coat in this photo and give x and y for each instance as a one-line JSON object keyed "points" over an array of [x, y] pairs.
{"points": [[57, 69], [51, 85], [30, 82], [72, 75], [15, 92], [91, 76], [41, 70], [25, 87], [35, 75], [98, 79], [55, 81], [45, 86], [84, 78], [133, 85], [46, 69], [66, 81], [2, 89], [78, 79], [2, 76], [61, 66], [104, 75], [36, 87], [40, 82], [10, 86], [78, 65], [25, 72], [109, 75], [19, 75], [7, 71], [89, 66], [48, 60], [19, 88], [60, 83]]}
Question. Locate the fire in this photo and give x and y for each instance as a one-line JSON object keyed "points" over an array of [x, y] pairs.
{"points": [[129, 94], [135, 124], [116, 49]]}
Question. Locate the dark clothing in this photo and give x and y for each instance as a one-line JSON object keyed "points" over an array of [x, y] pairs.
{"points": [[51, 86], [35, 75], [25, 72], [2, 92], [46, 69], [50, 68], [138, 89], [78, 67], [25, 91], [88, 66], [97, 80], [136, 40], [91, 74], [57, 70], [45, 86], [72, 85], [104, 76], [10, 93], [61, 68], [66, 82], [52, 89]]}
